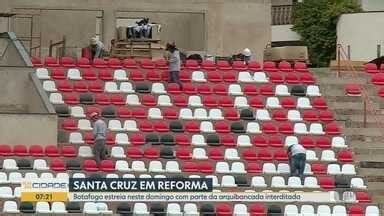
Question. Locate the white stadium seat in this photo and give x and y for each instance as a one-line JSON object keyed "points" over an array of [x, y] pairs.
{"points": [[164, 100], [74, 74], [200, 114], [42, 73], [49, 86], [158, 88], [111, 87], [260, 77], [120, 75], [313, 91], [282, 90], [133, 100], [235, 89], [126, 87], [198, 76]]}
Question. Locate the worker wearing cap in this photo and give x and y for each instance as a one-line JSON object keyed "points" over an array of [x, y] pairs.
{"points": [[297, 159], [99, 134], [97, 48], [247, 55]]}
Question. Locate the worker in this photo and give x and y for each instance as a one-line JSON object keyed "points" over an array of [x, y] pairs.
{"points": [[174, 64], [96, 47], [297, 159], [99, 134], [247, 55]]}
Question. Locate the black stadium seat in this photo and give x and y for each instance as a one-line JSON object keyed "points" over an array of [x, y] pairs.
{"points": [[124, 209], [237, 127], [247, 114], [27, 207], [167, 139], [152, 139], [274, 210], [167, 153], [73, 165], [62, 110], [213, 140], [86, 98], [109, 112], [298, 90], [241, 181], [207, 210], [157, 209], [176, 126], [24, 164], [142, 88], [73, 207], [342, 182]]}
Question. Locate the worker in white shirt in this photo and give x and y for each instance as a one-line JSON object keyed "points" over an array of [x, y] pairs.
{"points": [[297, 159]]}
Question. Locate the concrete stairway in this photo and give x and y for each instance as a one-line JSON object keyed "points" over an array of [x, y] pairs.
{"points": [[366, 142]]}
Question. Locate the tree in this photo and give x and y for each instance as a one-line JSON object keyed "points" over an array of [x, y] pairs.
{"points": [[315, 21]]}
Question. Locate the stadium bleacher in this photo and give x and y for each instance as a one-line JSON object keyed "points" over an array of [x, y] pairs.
{"points": [[230, 122]]}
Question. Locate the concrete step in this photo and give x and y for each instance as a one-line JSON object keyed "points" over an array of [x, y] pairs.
{"points": [[371, 172], [371, 155]]}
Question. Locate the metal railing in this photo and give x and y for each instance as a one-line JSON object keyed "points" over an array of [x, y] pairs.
{"points": [[282, 14], [57, 44]]}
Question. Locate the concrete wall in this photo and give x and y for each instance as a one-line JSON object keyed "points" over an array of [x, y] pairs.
{"points": [[28, 129], [372, 5], [8, 53], [230, 25], [362, 32], [18, 93], [284, 33]]}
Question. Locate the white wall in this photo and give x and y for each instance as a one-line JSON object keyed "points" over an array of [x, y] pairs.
{"points": [[372, 5], [284, 33], [363, 32]]}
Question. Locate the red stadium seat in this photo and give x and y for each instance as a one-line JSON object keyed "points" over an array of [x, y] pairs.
{"points": [[88, 138], [275, 141], [107, 166], [332, 129], [51, 151], [183, 154], [189, 167], [270, 66], [145, 126], [153, 75], [326, 116], [326, 182], [286, 128], [192, 126], [307, 142], [371, 68], [83, 63], [70, 98], [147, 63], [356, 210], [192, 64], [182, 139], [210, 101], [307, 78], [205, 167], [110, 139], [223, 209], [204, 89], [319, 103], [253, 167], [382, 68], [268, 128], [136, 75], [137, 139], [91, 109], [20, 150], [264, 155], [80, 86], [88, 74], [323, 142], [223, 65], [239, 65], [90, 166], [220, 89], [51, 62], [254, 66], [185, 76], [180, 101], [276, 78], [227, 140], [381, 92], [221, 127], [69, 124], [114, 63], [36, 61], [310, 115], [257, 209], [99, 63], [188, 88], [57, 74], [288, 102], [105, 74], [64, 86], [362, 197], [291, 78], [215, 154], [208, 65], [225, 101], [102, 99], [280, 155], [36, 151], [259, 141], [160, 126], [67, 61], [134, 152], [266, 90], [285, 66], [231, 114], [250, 89], [148, 100], [214, 76], [57, 165], [139, 112], [129, 63], [256, 102], [352, 90], [68, 151], [249, 155], [173, 88], [124, 112], [279, 115], [170, 113], [229, 76], [318, 168], [5, 150], [161, 64], [301, 67], [378, 79], [345, 156], [117, 99]]}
